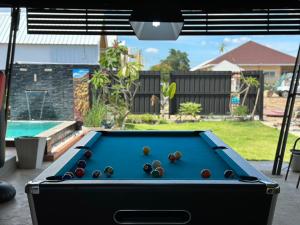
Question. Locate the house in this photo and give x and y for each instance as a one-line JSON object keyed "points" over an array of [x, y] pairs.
{"points": [[51, 49], [255, 56]]}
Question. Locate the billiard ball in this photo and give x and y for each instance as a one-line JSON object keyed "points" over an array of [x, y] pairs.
{"points": [[205, 173], [96, 174], [79, 172], [147, 168], [81, 164], [156, 163], [146, 150], [88, 154], [161, 171], [155, 173], [228, 174], [109, 171], [178, 155], [172, 157], [71, 174], [67, 176]]}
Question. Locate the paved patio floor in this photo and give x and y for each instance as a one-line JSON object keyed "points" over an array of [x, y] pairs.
{"points": [[16, 212]]}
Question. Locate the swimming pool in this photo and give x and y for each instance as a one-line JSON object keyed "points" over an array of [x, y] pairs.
{"points": [[28, 128]]}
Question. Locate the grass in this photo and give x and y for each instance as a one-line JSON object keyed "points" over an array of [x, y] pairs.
{"points": [[252, 139]]}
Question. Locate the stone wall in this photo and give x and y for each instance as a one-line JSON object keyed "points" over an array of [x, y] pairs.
{"points": [[43, 91]]}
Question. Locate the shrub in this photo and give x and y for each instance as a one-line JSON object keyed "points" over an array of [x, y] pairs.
{"points": [[145, 118], [96, 115], [190, 108], [240, 110]]}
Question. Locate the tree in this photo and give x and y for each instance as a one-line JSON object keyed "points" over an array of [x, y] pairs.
{"points": [[177, 60], [118, 80], [222, 47]]}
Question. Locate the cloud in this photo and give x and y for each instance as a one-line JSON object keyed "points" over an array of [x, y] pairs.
{"points": [[152, 50], [236, 40]]}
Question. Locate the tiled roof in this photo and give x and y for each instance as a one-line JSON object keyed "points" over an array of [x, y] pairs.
{"points": [[24, 38], [252, 53]]}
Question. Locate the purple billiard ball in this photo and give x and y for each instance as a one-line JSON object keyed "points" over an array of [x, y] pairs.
{"points": [[81, 164], [88, 154], [228, 174], [67, 176]]}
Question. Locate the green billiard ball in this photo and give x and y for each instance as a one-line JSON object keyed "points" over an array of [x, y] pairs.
{"points": [[155, 174], [109, 171]]}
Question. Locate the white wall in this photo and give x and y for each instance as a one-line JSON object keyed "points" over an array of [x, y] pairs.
{"points": [[67, 54]]}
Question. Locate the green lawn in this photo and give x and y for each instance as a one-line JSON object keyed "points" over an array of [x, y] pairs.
{"points": [[253, 140]]}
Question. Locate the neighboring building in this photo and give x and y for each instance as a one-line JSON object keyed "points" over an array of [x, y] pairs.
{"points": [[56, 49], [254, 56]]}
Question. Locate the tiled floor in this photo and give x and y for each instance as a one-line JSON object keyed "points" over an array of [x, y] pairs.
{"points": [[17, 212]]}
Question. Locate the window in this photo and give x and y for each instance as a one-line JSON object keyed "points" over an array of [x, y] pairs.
{"points": [[269, 76]]}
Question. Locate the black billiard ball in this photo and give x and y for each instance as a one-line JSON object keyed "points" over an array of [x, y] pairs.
{"points": [[109, 171], [205, 173], [228, 174], [81, 164], [96, 174], [67, 176], [88, 154], [147, 168], [79, 172]]}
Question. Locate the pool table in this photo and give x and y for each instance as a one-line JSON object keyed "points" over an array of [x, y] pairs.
{"points": [[180, 195]]}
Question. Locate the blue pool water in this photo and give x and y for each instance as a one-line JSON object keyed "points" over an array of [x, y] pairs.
{"points": [[27, 128]]}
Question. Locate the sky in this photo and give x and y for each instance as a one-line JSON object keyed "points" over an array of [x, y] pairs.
{"points": [[203, 48]]}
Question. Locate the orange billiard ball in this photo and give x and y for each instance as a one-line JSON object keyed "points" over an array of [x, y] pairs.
{"points": [[146, 150], [178, 155], [206, 173]]}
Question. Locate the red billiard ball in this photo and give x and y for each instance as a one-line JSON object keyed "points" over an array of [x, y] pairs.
{"points": [[178, 155], [147, 168], [205, 173], [88, 154], [161, 171], [79, 172], [228, 174], [172, 157]]}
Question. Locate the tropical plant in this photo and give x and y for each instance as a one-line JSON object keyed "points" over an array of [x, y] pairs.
{"points": [[240, 110], [190, 108], [168, 92], [96, 115], [118, 80]]}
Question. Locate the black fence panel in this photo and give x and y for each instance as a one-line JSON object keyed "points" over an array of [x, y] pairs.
{"points": [[251, 97], [209, 88], [149, 85]]}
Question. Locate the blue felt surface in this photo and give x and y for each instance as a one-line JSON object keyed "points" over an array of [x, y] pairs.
{"points": [[125, 155]]}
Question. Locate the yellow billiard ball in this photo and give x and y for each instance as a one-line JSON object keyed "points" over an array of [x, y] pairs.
{"points": [[146, 150], [178, 155]]}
